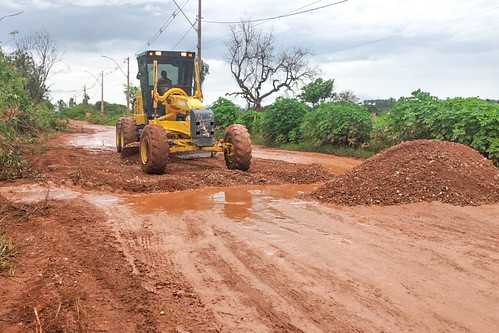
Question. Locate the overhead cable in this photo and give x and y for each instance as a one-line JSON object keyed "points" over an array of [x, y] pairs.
{"points": [[417, 30], [279, 16], [163, 27]]}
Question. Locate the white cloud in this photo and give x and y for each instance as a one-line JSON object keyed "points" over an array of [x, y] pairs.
{"points": [[446, 47]]}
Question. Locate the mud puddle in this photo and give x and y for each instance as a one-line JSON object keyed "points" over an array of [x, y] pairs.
{"points": [[235, 203], [94, 141]]}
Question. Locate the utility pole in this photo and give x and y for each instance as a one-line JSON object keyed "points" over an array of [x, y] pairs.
{"points": [[85, 99], [102, 97], [128, 86], [102, 91], [127, 74], [200, 62]]}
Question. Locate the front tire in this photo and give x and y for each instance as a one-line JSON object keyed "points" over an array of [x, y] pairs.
{"points": [[238, 155], [154, 149]]}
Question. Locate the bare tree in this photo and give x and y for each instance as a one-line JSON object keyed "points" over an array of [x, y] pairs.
{"points": [[259, 69], [36, 54], [346, 96]]}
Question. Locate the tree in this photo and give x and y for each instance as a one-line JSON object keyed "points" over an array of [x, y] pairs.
{"points": [[317, 91], [346, 97], [86, 98], [35, 56], [259, 69], [379, 106], [61, 105], [133, 91]]}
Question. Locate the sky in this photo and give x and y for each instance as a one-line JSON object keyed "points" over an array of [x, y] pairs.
{"points": [[376, 49]]}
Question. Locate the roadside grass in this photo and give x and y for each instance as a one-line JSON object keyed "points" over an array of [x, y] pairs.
{"points": [[343, 151], [8, 253]]}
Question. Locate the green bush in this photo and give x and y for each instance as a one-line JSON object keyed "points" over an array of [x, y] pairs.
{"points": [[20, 120], [341, 124], [250, 120], [469, 121], [226, 113], [112, 112], [281, 121], [408, 119]]}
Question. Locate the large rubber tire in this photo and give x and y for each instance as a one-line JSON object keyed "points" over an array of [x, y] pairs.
{"points": [[239, 155], [154, 149], [119, 145], [129, 133]]}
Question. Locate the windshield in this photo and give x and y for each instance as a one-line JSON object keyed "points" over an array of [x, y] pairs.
{"points": [[171, 74]]}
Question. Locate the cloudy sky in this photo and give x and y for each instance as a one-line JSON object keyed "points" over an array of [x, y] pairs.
{"points": [[377, 49]]}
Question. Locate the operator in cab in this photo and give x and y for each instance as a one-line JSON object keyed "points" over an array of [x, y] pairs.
{"points": [[164, 80]]}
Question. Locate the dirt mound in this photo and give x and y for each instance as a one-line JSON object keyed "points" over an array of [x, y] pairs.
{"points": [[421, 170]]}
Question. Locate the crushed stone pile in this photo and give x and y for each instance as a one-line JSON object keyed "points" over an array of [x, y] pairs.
{"points": [[415, 171]]}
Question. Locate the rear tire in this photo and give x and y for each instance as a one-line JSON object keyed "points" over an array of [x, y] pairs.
{"points": [[129, 132], [154, 149], [119, 146], [239, 155]]}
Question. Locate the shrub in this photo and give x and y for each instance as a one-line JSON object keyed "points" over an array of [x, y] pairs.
{"points": [[281, 121], [19, 120], [469, 121], [250, 120], [344, 124], [226, 113]]}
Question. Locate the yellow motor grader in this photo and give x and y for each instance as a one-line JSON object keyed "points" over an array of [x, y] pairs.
{"points": [[169, 118]]}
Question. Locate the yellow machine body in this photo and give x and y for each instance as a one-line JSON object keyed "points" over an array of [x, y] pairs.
{"points": [[178, 109]]}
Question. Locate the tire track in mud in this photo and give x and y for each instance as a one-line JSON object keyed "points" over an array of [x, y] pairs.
{"points": [[145, 244], [294, 266]]}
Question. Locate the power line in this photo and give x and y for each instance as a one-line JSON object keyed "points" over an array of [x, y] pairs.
{"points": [[279, 16], [287, 14], [11, 15], [417, 30], [175, 2], [183, 37], [163, 27], [310, 4]]}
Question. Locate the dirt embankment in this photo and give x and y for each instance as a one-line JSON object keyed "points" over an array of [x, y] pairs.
{"points": [[422, 170]]}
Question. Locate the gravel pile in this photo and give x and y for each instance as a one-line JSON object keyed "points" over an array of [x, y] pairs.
{"points": [[415, 171]]}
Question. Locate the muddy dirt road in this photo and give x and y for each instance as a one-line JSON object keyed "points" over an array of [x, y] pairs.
{"points": [[104, 248]]}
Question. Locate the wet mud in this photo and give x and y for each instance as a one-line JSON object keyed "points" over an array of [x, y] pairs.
{"points": [[242, 257]]}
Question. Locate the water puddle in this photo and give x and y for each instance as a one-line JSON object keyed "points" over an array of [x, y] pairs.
{"points": [[96, 141], [236, 203], [34, 193]]}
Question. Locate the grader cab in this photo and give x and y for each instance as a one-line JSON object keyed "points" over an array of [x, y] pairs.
{"points": [[169, 115]]}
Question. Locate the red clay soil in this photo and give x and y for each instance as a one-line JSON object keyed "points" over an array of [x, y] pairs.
{"points": [[85, 265], [71, 270], [106, 171], [416, 171]]}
